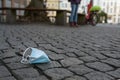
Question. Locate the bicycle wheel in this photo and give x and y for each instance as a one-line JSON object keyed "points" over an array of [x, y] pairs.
{"points": [[94, 19]]}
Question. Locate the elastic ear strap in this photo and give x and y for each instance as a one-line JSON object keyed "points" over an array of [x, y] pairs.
{"points": [[24, 60], [26, 51]]}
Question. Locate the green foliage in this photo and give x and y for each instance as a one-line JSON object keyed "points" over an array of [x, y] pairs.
{"points": [[95, 8], [102, 13], [103, 16]]}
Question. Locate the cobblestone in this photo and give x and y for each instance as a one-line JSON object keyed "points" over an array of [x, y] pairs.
{"points": [[115, 73], [98, 76], [88, 59], [4, 45], [0, 63], [53, 64], [97, 54], [37, 78], [112, 55], [58, 73], [12, 60], [100, 66], [82, 53], [55, 56], [113, 62], [70, 61], [8, 78], [14, 66], [71, 54], [25, 73], [8, 54], [4, 72], [80, 69], [76, 78]]}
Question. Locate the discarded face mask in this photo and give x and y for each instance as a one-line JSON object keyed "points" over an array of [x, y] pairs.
{"points": [[33, 56]]}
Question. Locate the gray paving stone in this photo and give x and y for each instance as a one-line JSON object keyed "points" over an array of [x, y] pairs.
{"points": [[37, 78], [25, 73], [19, 65], [70, 61], [55, 56], [111, 55], [76, 78], [115, 73], [0, 63], [47, 46], [80, 69], [52, 64], [12, 60], [14, 42], [29, 43], [58, 73], [8, 78], [20, 46], [100, 66], [72, 45], [39, 40], [4, 45], [58, 51], [4, 72], [51, 48], [58, 45], [80, 53], [98, 76], [71, 54], [0, 52], [97, 54], [9, 54], [71, 50], [113, 62], [88, 58]]}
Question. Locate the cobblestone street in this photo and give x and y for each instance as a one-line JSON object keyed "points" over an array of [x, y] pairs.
{"points": [[83, 53]]}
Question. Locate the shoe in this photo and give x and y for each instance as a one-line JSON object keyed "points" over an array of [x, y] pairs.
{"points": [[75, 24], [71, 24]]}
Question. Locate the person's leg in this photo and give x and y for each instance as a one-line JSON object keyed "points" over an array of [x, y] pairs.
{"points": [[73, 6], [76, 14]]}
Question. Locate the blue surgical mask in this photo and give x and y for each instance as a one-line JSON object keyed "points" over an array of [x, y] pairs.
{"points": [[34, 56]]}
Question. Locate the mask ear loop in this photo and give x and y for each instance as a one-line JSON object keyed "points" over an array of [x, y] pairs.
{"points": [[25, 60]]}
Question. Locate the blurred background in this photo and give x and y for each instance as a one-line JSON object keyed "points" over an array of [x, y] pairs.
{"points": [[110, 7]]}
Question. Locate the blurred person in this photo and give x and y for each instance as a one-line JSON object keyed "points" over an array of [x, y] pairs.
{"points": [[74, 10]]}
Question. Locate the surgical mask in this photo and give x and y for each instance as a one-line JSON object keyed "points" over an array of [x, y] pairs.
{"points": [[34, 56]]}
